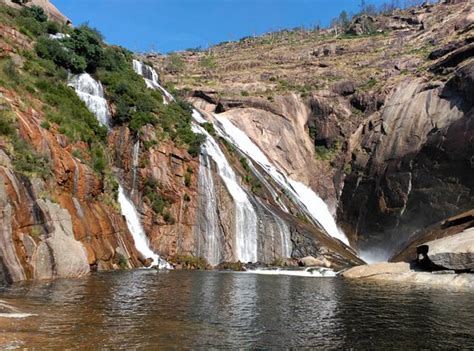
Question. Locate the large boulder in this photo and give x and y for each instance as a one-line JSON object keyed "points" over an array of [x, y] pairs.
{"points": [[454, 252], [370, 270], [401, 273]]}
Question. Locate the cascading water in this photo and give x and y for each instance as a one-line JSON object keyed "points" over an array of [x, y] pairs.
{"points": [[208, 243], [270, 222], [246, 218], [246, 231], [136, 155], [134, 225], [92, 94], [151, 79], [311, 203]]}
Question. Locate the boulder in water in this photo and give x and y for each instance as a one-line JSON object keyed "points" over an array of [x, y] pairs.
{"points": [[453, 252]]}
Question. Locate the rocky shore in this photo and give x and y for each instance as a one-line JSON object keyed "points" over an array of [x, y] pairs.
{"points": [[447, 261]]}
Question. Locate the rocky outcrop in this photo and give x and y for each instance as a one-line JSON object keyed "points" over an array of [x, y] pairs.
{"points": [[408, 250], [454, 252], [411, 162], [60, 226], [401, 273], [53, 13]]}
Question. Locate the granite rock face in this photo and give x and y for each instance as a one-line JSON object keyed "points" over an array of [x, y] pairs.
{"points": [[411, 162], [454, 252], [59, 227], [401, 273]]}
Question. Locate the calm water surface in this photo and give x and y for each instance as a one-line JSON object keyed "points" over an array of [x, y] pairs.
{"points": [[152, 310]]}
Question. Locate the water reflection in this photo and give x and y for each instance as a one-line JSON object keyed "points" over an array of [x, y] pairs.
{"points": [[150, 309]]}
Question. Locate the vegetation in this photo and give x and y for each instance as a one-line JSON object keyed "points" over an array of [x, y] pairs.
{"points": [[189, 262], [188, 177], [151, 193], [327, 153], [249, 178], [25, 160], [175, 63]]}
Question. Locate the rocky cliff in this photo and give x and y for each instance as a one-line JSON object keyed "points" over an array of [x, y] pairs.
{"points": [[57, 225], [377, 120]]}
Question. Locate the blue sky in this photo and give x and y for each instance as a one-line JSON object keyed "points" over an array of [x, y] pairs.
{"points": [[170, 25]]}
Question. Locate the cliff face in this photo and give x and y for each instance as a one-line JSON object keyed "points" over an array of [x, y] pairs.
{"points": [[412, 163], [378, 121], [174, 175], [59, 227]]}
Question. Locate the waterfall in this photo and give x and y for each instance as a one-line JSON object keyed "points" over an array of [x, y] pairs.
{"points": [[246, 218], [310, 202], [209, 238], [151, 79], [136, 154], [134, 225], [92, 94]]}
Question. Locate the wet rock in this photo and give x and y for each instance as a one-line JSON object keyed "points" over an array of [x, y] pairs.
{"points": [[231, 266], [310, 261], [454, 252], [147, 262], [409, 166]]}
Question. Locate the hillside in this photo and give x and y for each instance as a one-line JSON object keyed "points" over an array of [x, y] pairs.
{"points": [[103, 170], [376, 119]]}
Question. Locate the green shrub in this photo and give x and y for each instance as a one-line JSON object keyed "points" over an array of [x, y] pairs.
{"points": [[209, 127], [52, 27], [55, 51], [174, 63], [7, 126], [122, 262], [86, 42], [27, 161], [11, 72], [187, 179], [45, 125], [168, 218], [35, 12], [208, 62], [150, 191], [30, 26]]}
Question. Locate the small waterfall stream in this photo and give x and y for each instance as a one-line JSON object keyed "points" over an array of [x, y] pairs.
{"points": [[151, 79], [209, 233], [136, 156], [92, 94]]}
